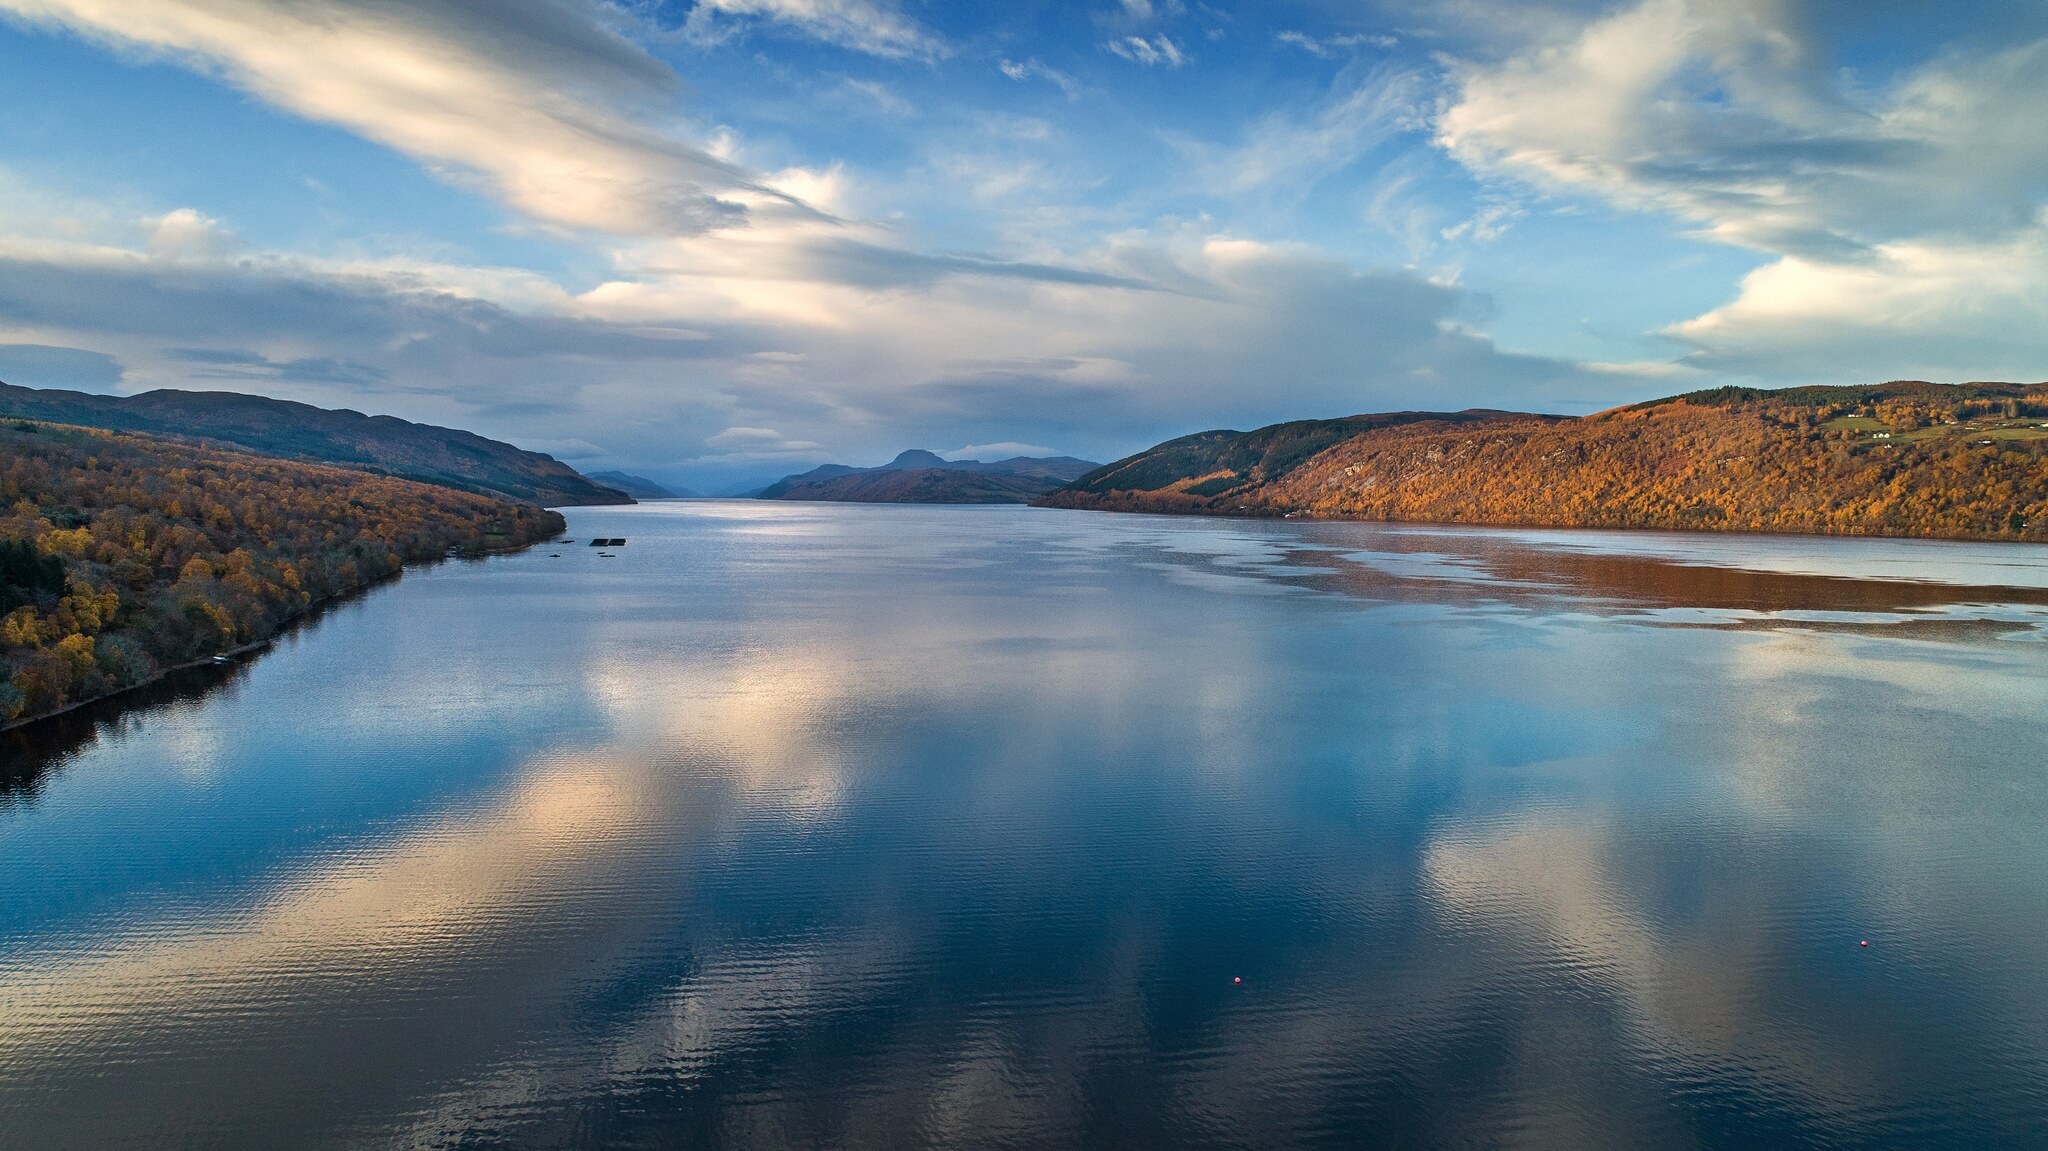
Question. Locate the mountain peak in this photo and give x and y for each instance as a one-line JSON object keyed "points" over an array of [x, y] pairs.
{"points": [[917, 458], [921, 477]]}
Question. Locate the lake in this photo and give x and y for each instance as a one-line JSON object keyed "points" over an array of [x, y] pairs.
{"points": [[846, 826]]}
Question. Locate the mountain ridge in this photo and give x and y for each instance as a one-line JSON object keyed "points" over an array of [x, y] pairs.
{"points": [[640, 487], [288, 429], [1904, 458], [920, 476]]}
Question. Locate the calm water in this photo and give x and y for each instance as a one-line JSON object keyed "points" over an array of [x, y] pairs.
{"points": [[870, 827]]}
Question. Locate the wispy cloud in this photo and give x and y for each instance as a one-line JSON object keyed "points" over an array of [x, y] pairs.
{"points": [[234, 364], [852, 24], [1008, 449], [1902, 214], [1292, 148], [1022, 70], [882, 96], [1329, 46], [536, 103], [1156, 50], [784, 261], [1724, 114], [742, 444]]}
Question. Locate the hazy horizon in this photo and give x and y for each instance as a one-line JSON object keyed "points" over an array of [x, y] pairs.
{"points": [[727, 240]]}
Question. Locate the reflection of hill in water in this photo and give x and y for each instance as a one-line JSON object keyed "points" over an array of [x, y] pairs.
{"points": [[30, 752], [1661, 583], [1366, 561], [1489, 568]]}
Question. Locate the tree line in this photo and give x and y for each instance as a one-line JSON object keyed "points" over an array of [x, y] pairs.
{"points": [[122, 554], [1918, 461]]}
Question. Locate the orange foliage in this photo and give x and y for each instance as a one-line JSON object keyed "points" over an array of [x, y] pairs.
{"points": [[1912, 464], [124, 553]]}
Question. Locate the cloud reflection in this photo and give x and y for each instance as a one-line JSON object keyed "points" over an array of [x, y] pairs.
{"points": [[901, 827], [424, 925]]}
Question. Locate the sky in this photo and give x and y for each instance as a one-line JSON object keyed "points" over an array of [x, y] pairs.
{"points": [[717, 241]]}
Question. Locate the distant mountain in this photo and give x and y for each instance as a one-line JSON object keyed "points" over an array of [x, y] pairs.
{"points": [[385, 445], [817, 475], [925, 486], [640, 487], [1899, 459], [922, 477]]}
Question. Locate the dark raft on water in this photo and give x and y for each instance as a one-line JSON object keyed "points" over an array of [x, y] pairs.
{"points": [[614, 542]]}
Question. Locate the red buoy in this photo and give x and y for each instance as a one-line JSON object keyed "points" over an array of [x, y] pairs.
{"points": [[1863, 943], [1237, 979]]}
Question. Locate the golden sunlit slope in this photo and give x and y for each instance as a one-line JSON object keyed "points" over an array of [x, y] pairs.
{"points": [[122, 554], [1900, 459]]}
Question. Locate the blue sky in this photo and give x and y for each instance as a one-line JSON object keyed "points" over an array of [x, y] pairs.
{"points": [[713, 240]]}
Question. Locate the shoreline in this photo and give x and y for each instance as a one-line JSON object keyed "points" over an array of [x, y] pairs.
{"points": [[1529, 525], [232, 656]]}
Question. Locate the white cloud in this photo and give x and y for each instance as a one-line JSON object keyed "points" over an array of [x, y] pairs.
{"points": [[747, 350], [1002, 451], [543, 107], [745, 445], [1905, 213], [853, 24], [1159, 49], [745, 437], [1329, 46], [1489, 223], [1022, 70], [1650, 370], [1944, 311], [1724, 115], [802, 332], [189, 234]]}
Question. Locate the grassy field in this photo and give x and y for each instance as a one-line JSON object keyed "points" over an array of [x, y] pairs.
{"points": [[1870, 427]]}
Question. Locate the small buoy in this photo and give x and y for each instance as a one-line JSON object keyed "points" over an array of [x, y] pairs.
{"points": [[1863, 943], [1237, 979]]}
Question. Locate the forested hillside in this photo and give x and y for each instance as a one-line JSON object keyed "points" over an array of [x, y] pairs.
{"points": [[383, 444], [922, 477], [1900, 459], [123, 554], [922, 486]]}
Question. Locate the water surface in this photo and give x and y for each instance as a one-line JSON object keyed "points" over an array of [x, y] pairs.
{"points": [[816, 825]]}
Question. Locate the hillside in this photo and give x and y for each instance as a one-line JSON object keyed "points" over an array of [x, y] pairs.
{"points": [[382, 444], [640, 487], [1193, 473], [922, 477], [124, 554], [924, 486], [1899, 459]]}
